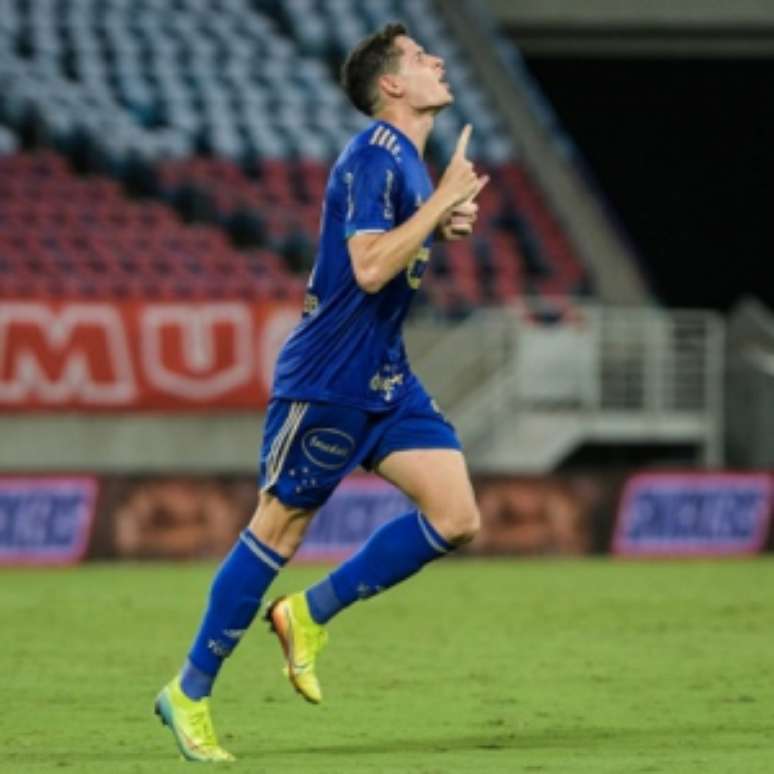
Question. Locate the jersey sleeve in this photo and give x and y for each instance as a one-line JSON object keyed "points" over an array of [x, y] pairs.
{"points": [[373, 185]]}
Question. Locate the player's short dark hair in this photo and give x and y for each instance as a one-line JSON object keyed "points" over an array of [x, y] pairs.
{"points": [[373, 56]]}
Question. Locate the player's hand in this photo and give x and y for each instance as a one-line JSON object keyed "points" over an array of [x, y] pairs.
{"points": [[459, 182], [459, 223]]}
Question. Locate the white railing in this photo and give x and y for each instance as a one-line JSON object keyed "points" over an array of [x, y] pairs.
{"points": [[595, 373]]}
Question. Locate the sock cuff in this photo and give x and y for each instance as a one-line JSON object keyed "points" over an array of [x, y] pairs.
{"points": [[435, 541], [267, 555], [194, 682], [323, 601]]}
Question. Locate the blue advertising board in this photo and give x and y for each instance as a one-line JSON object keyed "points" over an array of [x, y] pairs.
{"points": [[45, 520], [693, 514]]}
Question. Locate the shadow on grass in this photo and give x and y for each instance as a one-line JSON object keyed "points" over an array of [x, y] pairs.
{"points": [[545, 739], [559, 739]]}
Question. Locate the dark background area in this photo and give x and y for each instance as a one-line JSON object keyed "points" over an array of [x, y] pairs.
{"points": [[684, 152]]}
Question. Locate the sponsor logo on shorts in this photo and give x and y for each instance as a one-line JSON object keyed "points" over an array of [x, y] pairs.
{"points": [[327, 447]]}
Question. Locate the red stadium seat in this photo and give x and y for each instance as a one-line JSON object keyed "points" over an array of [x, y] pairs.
{"points": [[66, 236]]}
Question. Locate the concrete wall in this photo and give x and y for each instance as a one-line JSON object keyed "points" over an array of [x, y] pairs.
{"points": [[130, 443]]}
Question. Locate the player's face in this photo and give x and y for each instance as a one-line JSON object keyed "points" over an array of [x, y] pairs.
{"points": [[423, 76]]}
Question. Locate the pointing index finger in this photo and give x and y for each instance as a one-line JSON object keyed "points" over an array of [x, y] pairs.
{"points": [[462, 142]]}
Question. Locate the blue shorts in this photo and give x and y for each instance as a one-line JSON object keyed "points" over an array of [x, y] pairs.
{"points": [[308, 448]]}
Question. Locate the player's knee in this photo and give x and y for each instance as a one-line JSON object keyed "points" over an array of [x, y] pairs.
{"points": [[459, 525], [467, 526]]}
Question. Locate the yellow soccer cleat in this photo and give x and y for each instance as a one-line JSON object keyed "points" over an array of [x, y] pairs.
{"points": [[191, 724], [302, 639]]}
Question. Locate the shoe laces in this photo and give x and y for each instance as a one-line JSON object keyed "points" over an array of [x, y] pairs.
{"points": [[201, 725]]}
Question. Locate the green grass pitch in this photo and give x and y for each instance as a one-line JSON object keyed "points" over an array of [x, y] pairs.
{"points": [[473, 666]]}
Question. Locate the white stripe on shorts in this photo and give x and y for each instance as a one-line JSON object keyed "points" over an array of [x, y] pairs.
{"points": [[283, 442], [278, 439]]}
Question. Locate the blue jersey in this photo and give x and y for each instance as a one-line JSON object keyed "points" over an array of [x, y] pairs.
{"points": [[348, 347]]}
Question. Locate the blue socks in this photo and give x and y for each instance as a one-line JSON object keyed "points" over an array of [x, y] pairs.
{"points": [[393, 553], [235, 597]]}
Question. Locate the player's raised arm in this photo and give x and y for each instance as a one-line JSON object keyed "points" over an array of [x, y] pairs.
{"points": [[377, 258]]}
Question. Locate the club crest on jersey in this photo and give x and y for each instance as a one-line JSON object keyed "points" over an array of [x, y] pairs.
{"points": [[327, 447], [417, 268]]}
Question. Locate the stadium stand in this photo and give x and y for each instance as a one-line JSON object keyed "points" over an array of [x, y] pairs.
{"points": [[228, 114], [67, 236]]}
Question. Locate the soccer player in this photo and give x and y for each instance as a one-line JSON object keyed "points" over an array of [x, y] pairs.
{"points": [[344, 395]]}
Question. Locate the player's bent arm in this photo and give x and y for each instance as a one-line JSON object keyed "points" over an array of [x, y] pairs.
{"points": [[377, 258]]}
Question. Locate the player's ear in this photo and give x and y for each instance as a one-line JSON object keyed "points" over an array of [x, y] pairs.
{"points": [[391, 85]]}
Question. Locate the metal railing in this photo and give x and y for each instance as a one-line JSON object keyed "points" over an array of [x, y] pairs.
{"points": [[595, 372]]}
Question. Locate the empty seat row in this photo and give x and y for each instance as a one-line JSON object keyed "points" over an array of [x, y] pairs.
{"points": [[121, 248]]}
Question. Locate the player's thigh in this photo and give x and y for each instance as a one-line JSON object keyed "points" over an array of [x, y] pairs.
{"points": [[437, 480]]}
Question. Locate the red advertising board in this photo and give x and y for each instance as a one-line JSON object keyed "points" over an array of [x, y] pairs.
{"points": [[127, 356]]}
